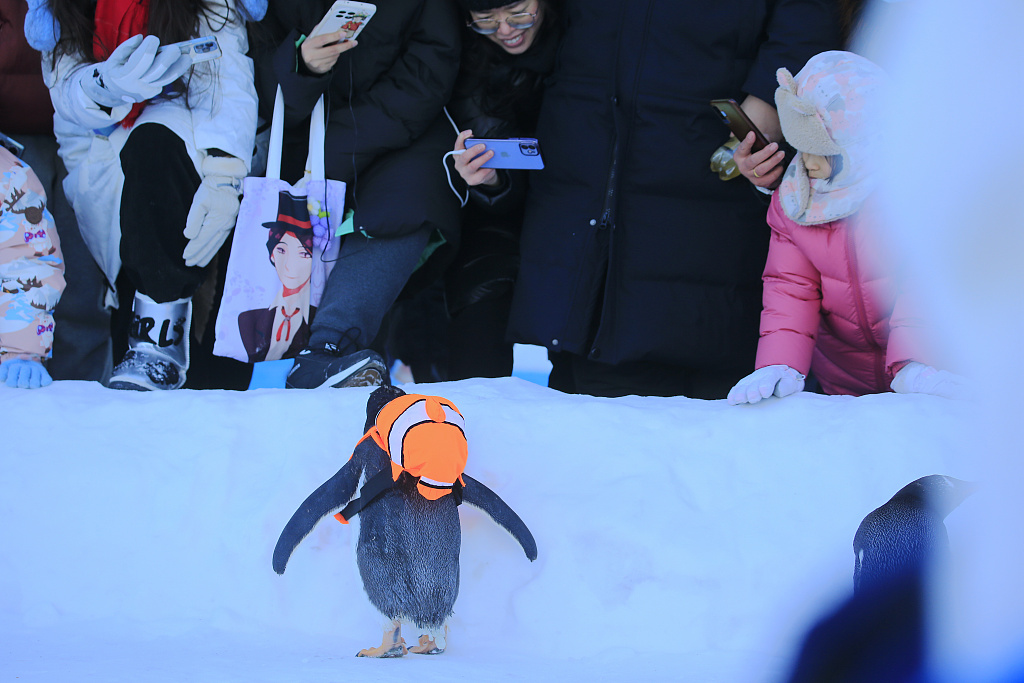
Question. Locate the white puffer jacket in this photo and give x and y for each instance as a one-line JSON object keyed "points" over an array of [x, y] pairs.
{"points": [[221, 114]]}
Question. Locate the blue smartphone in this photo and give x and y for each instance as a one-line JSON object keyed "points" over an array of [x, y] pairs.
{"points": [[518, 153]]}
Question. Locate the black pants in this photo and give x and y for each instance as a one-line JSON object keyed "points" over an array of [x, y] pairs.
{"points": [[160, 182], [81, 335], [476, 340]]}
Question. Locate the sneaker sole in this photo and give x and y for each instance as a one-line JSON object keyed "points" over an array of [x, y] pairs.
{"points": [[126, 384], [367, 377]]}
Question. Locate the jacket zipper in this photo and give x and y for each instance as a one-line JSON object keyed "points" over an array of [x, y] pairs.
{"points": [[862, 315]]}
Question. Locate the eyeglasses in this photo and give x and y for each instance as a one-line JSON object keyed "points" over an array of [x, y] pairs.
{"points": [[486, 27]]}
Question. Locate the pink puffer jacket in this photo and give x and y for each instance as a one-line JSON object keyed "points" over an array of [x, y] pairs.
{"points": [[829, 306]]}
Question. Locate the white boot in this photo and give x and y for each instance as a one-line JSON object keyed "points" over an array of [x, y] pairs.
{"points": [[157, 356]]}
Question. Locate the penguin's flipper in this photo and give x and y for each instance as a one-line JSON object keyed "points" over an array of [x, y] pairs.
{"points": [[329, 497], [478, 495]]}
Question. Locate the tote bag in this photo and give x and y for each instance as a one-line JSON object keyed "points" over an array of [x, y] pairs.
{"points": [[282, 252]]}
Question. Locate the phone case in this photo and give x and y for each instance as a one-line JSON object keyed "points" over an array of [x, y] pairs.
{"points": [[198, 49], [345, 15], [11, 145], [739, 123], [518, 153]]}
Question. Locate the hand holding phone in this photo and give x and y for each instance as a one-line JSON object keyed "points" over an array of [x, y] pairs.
{"points": [[739, 123], [760, 161], [348, 16]]}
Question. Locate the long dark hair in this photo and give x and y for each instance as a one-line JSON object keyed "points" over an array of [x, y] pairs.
{"points": [[169, 20]]}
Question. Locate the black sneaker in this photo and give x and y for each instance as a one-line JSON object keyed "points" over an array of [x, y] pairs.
{"points": [[325, 367]]}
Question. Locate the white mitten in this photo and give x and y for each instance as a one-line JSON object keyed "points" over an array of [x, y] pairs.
{"points": [[771, 380], [133, 72], [214, 208], [918, 378]]}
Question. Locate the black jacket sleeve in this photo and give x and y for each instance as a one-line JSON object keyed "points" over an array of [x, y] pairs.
{"points": [[796, 31]]}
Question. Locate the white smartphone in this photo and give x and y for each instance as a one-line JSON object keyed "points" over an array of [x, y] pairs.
{"points": [[348, 16], [522, 153], [198, 49]]}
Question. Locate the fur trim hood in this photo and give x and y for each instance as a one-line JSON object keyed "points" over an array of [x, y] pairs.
{"points": [[42, 31], [830, 108]]}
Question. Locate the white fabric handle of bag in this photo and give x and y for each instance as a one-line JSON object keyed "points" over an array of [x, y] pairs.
{"points": [[317, 137]]}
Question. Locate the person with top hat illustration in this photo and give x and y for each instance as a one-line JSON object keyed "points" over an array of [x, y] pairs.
{"points": [[283, 328]]}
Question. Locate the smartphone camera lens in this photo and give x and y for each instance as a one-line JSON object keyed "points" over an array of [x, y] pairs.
{"points": [[528, 149]]}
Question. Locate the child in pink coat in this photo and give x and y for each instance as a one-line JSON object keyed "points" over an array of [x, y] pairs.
{"points": [[830, 304]]}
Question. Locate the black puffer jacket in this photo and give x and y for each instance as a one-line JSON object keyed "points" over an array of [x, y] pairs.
{"points": [[497, 95], [386, 131], [632, 249]]}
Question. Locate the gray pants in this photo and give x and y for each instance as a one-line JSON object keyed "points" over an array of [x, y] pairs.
{"points": [[366, 280], [81, 331]]}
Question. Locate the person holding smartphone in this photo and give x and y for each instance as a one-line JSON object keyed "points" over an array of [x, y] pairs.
{"points": [[509, 49], [156, 149], [640, 270], [386, 135]]}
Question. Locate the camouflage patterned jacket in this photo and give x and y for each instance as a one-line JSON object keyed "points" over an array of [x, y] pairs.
{"points": [[31, 264]]}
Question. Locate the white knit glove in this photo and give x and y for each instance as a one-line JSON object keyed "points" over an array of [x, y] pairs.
{"points": [[771, 380], [214, 208], [918, 378], [133, 72]]}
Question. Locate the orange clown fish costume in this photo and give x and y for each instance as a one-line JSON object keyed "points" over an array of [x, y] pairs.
{"points": [[425, 437]]}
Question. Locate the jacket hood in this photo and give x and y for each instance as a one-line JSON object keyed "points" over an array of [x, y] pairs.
{"points": [[830, 108]]}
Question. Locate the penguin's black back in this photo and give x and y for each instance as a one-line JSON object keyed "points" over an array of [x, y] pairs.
{"points": [[895, 540], [899, 537], [408, 555]]}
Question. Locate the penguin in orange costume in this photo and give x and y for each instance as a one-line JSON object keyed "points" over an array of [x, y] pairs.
{"points": [[411, 459]]}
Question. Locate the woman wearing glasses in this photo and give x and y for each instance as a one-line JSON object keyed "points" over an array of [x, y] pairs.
{"points": [[509, 49], [386, 134]]}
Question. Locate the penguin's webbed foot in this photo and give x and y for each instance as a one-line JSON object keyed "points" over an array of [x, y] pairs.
{"points": [[433, 642], [427, 646], [382, 653], [393, 645]]}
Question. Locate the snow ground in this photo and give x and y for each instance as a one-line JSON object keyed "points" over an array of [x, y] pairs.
{"points": [[678, 539]]}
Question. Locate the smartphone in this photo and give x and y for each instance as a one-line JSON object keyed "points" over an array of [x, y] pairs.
{"points": [[11, 145], [739, 123], [198, 49], [520, 153], [347, 16]]}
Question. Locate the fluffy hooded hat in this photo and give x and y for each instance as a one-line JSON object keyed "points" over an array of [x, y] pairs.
{"points": [[42, 31], [830, 108]]}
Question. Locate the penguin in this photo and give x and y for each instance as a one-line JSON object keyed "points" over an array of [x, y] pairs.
{"points": [[409, 534], [899, 537]]}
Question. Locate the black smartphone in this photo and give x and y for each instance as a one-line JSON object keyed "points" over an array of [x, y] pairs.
{"points": [[739, 123]]}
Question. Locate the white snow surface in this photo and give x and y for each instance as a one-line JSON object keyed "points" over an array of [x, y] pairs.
{"points": [[678, 539]]}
